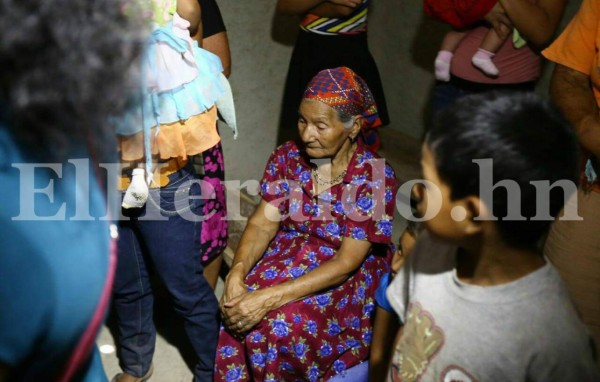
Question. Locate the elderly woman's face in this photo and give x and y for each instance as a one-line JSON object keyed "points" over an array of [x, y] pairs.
{"points": [[321, 130]]}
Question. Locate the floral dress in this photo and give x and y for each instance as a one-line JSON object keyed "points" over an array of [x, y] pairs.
{"points": [[327, 333]]}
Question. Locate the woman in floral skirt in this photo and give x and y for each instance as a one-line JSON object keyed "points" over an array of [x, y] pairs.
{"points": [[299, 300]]}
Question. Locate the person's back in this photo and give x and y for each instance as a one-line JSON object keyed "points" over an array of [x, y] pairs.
{"points": [[477, 299], [54, 268], [63, 82]]}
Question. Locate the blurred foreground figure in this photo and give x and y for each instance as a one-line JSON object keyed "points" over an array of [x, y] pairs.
{"points": [[65, 65]]}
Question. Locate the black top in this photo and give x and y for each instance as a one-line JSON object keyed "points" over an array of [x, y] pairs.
{"points": [[212, 21]]}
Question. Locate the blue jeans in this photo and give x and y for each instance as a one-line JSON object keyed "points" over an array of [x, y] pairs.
{"points": [[172, 246]]}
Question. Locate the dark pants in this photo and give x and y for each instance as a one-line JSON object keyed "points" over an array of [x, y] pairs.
{"points": [[445, 93], [172, 247]]}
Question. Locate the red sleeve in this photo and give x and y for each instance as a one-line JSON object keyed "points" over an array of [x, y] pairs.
{"points": [[274, 186], [459, 14]]}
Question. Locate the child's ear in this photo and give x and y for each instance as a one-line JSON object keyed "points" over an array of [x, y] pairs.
{"points": [[477, 214]]}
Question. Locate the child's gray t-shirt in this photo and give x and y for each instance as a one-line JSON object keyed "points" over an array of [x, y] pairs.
{"points": [[526, 330]]}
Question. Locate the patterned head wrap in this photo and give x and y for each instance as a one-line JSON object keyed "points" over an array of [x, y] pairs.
{"points": [[344, 90]]}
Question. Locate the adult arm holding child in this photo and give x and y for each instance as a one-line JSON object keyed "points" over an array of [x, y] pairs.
{"points": [[536, 22], [573, 95]]}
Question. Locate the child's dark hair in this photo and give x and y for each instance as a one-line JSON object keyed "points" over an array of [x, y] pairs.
{"points": [[527, 139]]}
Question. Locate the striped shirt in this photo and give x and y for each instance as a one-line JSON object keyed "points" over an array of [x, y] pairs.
{"points": [[355, 23]]}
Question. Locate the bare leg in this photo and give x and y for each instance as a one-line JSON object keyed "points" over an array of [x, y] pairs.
{"points": [[492, 42], [451, 40], [444, 56], [212, 270]]}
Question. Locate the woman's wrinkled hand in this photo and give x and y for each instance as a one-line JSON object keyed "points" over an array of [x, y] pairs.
{"points": [[244, 312], [234, 287]]}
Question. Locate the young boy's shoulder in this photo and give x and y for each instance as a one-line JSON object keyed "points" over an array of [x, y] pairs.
{"points": [[523, 330], [560, 347]]}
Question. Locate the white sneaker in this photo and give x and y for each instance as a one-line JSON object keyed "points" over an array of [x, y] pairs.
{"points": [[137, 192]]}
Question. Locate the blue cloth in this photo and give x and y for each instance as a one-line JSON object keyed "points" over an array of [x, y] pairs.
{"points": [[171, 247], [52, 272], [358, 373], [181, 103], [380, 296], [154, 108]]}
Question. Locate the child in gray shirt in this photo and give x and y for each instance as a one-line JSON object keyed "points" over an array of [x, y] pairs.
{"points": [[477, 300]]}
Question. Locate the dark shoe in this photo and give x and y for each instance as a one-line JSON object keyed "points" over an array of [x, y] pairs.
{"points": [[124, 377]]}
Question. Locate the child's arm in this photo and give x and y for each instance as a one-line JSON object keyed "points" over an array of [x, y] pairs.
{"points": [[385, 326], [329, 9], [536, 22], [190, 10]]}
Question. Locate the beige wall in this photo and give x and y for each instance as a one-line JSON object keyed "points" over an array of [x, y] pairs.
{"points": [[402, 40]]}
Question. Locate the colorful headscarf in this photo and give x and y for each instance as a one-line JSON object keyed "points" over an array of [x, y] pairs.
{"points": [[344, 90]]}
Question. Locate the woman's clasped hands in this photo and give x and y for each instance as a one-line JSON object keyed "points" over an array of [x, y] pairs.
{"points": [[241, 309]]}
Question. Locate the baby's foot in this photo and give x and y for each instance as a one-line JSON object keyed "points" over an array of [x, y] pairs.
{"points": [[483, 61], [137, 192], [442, 65]]}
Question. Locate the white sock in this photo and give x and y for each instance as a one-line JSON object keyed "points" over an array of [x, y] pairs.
{"points": [[137, 192], [442, 65], [483, 61]]}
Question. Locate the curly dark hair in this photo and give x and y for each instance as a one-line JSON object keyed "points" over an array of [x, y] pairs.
{"points": [[65, 68]]}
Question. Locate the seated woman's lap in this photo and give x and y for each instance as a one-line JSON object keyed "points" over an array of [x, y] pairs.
{"points": [[325, 333]]}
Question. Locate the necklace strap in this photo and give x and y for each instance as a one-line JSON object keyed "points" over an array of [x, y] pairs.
{"points": [[322, 181]]}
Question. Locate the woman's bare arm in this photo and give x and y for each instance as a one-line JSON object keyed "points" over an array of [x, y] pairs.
{"points": [[245, 311], [190, 10], [571, 92], [261, 229], [536, 22], [300, 7], [328, 9], [219, 45]]}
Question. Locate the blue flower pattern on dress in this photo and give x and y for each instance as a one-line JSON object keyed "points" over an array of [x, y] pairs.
{"points": [[258, 359], [385, 227], [358, 233], [365, 204], [333, 229]]}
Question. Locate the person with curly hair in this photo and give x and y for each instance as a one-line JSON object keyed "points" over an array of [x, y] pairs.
{"points": [[64, 70]]}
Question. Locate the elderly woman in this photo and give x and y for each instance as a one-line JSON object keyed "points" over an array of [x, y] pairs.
{"points": [[299, 299]]}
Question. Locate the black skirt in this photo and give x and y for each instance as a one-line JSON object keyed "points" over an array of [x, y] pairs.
{"points": [[315, 52]]}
